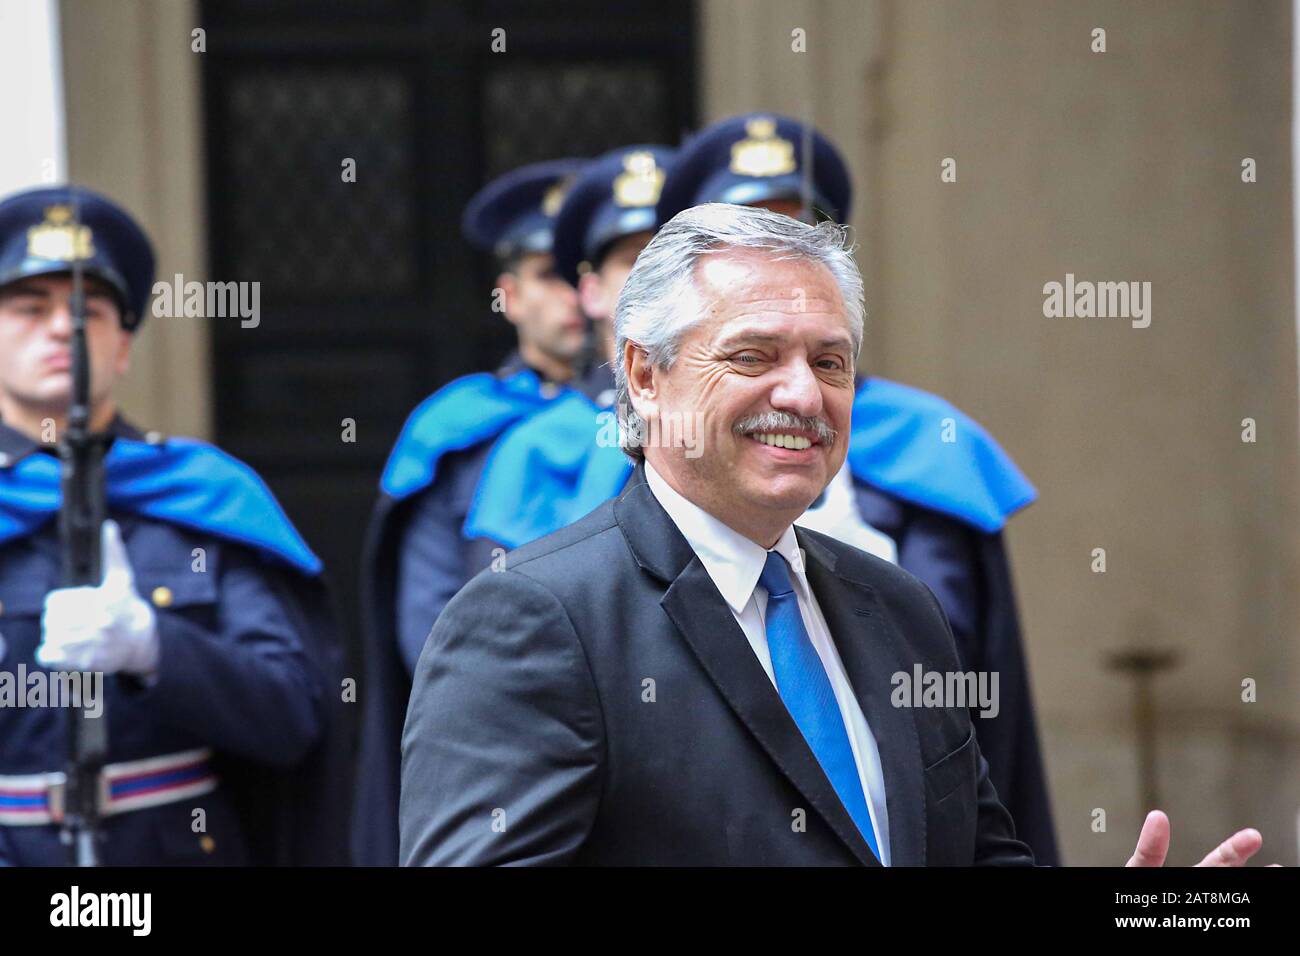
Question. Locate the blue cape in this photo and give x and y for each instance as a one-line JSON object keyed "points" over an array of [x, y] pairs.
{"points": [[459, 415], [182, 481], [550, 471], [547, 472], [898, 445]]}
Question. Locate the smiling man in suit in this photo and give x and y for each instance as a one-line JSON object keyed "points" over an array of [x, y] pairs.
{"points": [[684, 677]]}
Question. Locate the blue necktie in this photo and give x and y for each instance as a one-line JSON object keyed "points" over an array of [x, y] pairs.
{"points": [[806, 689]]}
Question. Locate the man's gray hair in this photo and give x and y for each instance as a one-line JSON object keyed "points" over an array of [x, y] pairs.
{"points": [[660, 301]]}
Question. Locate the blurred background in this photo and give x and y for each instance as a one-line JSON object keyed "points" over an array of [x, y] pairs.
{"points": [[1123, 165]]}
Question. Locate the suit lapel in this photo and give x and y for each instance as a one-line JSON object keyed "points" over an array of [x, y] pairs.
{"points": [[698, 610], [868, 647]]}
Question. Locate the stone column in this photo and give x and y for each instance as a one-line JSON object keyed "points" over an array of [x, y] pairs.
{"points": [[133, 117]]}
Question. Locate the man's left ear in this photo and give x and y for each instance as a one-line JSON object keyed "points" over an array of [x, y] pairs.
{"points": [[641, 389]]}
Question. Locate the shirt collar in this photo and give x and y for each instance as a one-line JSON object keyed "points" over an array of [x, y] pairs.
{"points": [[732, 560], [16, 445], [512, 364]]}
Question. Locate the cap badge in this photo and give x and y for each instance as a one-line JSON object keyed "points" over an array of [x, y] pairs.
{"points": [[762, 153], [640, 182], [554, 197], [58, 238]]}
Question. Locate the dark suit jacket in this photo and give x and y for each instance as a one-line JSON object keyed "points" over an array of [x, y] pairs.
{"points": [[970, 576], [597, 703]]}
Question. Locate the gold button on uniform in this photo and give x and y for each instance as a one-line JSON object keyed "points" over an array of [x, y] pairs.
{"points": [[162, 597], [207, 843]]}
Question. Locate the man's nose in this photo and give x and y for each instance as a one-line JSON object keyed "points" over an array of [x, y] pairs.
{"points": [[562, 297], [60, 324], [798, 390]]}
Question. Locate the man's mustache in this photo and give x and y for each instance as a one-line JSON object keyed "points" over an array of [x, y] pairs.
{"points": [[769, 422]]}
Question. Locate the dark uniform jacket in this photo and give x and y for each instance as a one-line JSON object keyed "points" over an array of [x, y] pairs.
{"points": [[249, 666]]}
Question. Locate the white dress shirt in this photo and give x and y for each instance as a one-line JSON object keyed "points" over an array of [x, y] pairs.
{"points": [[837, 515], [734, 563]]}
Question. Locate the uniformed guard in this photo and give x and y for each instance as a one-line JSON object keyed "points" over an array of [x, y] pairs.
{"points": [[211, 623], [416, 555], [923, 485], [606, 220]]}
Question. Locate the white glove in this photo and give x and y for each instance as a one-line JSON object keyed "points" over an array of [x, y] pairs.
{"points": [[107, 628]]}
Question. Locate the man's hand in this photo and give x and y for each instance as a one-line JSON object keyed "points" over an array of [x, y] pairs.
{"points": [[1153, 845], [107, 628]]}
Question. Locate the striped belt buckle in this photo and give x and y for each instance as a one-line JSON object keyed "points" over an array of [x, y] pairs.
{"points": [[37, 799]]}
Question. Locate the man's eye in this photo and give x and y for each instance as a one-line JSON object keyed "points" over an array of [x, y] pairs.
{"points": [[832, 364], [747, 358]]}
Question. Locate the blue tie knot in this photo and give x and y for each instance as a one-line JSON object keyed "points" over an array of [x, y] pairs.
{"points": [[776, 576]]}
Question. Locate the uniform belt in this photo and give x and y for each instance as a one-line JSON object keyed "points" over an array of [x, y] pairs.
{"points": [[37, 799]]}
